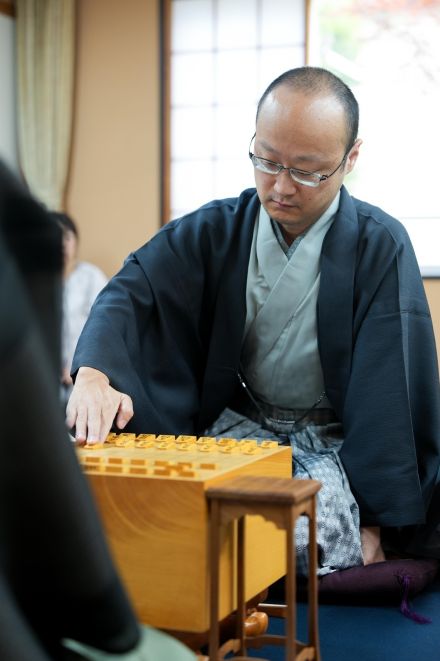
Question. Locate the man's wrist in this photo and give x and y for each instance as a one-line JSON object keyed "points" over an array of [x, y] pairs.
{"points": [[91, 374]]}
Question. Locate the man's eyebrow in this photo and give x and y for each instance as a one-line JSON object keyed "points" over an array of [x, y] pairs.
{"points": [[301, 158]]}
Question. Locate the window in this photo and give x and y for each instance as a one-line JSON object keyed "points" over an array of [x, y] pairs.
{"points": [[223, 54], [388, 51], [8, 125]]}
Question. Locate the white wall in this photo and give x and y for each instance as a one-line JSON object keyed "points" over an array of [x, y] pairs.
{"points": [[8, 114]]}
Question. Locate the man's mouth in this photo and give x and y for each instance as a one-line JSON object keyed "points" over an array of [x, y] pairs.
{"points": [[282, 204]]}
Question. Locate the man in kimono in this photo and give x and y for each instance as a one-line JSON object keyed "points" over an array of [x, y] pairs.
{"points": [[293, 312]]}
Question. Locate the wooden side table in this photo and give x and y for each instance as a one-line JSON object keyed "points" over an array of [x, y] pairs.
{"points": [[282, 501]]}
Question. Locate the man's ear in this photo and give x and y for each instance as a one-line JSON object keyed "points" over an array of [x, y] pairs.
{"points": [[352, 156]]}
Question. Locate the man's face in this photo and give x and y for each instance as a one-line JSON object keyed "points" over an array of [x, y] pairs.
{"points": [[307, 132]]}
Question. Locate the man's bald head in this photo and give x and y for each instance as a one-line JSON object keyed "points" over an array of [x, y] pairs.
{"points": [[315, 81]]}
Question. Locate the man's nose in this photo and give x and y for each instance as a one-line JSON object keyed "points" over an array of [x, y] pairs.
{"points": [[284, 184]]}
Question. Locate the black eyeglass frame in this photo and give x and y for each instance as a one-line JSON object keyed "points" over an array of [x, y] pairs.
{"points": [[292, 171]]}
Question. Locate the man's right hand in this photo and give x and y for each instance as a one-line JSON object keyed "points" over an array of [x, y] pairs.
{"points": [[94, 405]]}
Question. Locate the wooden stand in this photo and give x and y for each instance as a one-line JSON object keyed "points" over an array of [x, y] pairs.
{"points": [[281, 501]]}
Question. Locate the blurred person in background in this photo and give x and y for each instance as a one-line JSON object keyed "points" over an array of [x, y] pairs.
{"points": [[82, 282]]}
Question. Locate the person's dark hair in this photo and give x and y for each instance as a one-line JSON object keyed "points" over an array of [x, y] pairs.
{"points": [[314, 80], [65, 222]]}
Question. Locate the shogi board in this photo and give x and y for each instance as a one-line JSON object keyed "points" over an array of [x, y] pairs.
{"points": [[150, 492]]}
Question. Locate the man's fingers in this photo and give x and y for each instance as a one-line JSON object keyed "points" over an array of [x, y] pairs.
{"points": [[95, 427], [81, 428], [106, 425], [93, 406], [70, 414], [88, 425], [125, 411]]}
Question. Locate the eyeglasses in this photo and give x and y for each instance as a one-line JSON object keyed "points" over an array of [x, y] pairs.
{"points": [[312, 179]]}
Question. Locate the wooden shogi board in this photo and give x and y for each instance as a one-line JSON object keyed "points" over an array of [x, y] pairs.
{"points": [[150, 491]]}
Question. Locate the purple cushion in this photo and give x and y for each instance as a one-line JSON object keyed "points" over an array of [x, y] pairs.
{"points": [[378, 582]]}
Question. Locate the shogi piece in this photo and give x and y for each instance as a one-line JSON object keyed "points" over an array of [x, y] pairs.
{"points": [[280, 501], [150, 491]]}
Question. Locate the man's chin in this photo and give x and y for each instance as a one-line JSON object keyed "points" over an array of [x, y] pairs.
{"points": [[283, 212], [287, 219]]}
